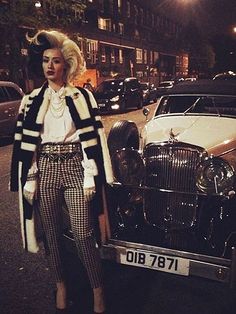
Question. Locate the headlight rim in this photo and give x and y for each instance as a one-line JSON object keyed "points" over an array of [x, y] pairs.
{"points": [[136, 178], [217, 164]]}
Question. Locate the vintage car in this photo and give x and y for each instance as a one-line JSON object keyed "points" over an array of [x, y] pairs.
{"points": [[164, 87], [149, 92], [230, 75], [173, 205], [118, 95]]}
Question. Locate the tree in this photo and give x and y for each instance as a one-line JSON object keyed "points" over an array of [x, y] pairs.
{"points": [[17, 17], [201, 53], [225, 48]]}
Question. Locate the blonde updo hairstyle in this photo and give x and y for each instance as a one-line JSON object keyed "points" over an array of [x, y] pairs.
{"points": [[47, 39]]}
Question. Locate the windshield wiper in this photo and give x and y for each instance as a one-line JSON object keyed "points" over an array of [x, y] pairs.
{"points": [[193, 105]]}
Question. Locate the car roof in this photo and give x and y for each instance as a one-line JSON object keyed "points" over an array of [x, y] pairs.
{"points": [[169, 81], [203, 87], [225, 75], [11, 84]]}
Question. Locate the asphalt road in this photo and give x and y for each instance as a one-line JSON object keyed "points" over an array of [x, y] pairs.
{"points": [[27, 288]]}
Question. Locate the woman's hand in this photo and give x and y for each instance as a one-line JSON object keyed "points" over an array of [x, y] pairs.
{"points": [[30, 191], [89, 193]]}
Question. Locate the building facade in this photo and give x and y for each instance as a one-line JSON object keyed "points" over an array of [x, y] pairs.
{"points": [[117, 38], [130, 38]]}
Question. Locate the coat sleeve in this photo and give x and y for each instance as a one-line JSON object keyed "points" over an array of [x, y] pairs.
{"points": [[92, 134], [103, 140], [14, 173]]}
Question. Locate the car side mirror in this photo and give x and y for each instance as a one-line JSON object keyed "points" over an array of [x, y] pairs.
{"points": [[146, 112]]}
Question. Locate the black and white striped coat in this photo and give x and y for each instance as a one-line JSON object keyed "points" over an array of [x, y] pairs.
{"points": [[83, 110]]}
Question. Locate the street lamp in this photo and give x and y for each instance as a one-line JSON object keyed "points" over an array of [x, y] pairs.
{"points": [[37, 4]]}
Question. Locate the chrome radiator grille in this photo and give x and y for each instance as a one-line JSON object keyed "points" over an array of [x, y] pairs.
{"points": [[171, 167]]}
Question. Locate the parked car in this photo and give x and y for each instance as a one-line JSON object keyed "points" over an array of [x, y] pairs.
{"points": [[149, 92], [164, 87], [190, 79], [118, 95], [10, 98], [173, 205], [230, 75]]}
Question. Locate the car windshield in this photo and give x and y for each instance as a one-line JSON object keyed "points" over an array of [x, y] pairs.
{"points": [[197, 104], [165, 84], [110, 86]]}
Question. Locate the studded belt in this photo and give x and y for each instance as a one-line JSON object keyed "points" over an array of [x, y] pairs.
{"points": [[60, 148], [59, 152]]}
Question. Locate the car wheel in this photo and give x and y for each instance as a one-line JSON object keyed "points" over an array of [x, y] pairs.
{"points": [[123, 134]]}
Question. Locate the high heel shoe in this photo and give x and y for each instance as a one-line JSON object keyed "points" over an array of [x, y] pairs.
{"points": [[59, 311]]}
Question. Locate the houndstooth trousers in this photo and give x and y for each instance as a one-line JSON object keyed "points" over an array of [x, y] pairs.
{"points": [[62, 181]]}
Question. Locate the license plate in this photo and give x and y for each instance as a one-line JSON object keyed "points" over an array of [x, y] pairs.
{"points": [[169, 264], [102, 105]]}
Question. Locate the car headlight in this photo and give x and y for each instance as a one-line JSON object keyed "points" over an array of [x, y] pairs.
{"points": [[128, 166], [116, 98], [215, 175]]}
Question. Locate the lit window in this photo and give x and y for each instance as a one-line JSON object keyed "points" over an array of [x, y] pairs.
{"points": [[92, 49], [151, 57], [104, 24], [145, 56], [121, 28], [113, 59], [119, 2], [103, 54], [121, 60], [139, 55], [155, 56]]}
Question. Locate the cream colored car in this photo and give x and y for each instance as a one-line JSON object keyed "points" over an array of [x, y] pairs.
{"points": [[173, 208]]}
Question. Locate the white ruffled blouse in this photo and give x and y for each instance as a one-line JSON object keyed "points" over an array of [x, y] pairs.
{"points": [[58, 127]]}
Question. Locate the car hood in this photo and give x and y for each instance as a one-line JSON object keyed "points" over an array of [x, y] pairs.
{"points": [[105, 95], [215, 134]]}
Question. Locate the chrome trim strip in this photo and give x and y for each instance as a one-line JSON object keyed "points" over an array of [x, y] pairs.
{"points": [[144, 187]]}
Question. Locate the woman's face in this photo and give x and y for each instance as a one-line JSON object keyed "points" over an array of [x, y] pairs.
{"points": [[54, 65]]}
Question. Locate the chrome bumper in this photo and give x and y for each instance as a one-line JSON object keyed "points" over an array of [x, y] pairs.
{"points": [[204, 266]]}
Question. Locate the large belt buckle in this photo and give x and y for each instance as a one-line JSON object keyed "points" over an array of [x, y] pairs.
{"points": [[63, 149], [53, 149]]}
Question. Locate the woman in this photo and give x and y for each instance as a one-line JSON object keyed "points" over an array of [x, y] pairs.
{"points": [[59, 151]]}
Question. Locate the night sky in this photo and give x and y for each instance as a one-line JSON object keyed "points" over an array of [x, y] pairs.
{"points": [[214, 19], [211, 16]]}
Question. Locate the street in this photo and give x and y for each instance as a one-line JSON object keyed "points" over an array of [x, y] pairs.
{"points": [[27, 288]]}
